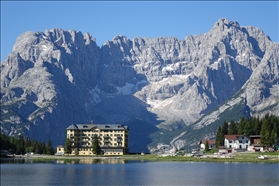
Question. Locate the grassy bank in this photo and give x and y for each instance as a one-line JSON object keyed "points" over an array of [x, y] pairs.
{"points": [[238, 157]]}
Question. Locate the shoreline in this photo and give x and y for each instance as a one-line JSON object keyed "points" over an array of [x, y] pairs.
{"points": [[234, 158]]}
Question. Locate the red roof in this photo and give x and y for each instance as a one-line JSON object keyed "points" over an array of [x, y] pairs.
{"points": [[232, 137], [210, 142]]}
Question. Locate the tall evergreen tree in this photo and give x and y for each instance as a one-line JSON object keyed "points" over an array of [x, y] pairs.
{"points": [[225, 128], [266, 132], [224, 131], [20, 145], [247, 128], [232, 128], [256, 126], [68, 147], [95, 145], [240, 126], [218, 141], [206, 148], [42, 148], [49, 148]]}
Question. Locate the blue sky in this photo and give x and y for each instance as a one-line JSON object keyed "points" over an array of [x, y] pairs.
{"points": [[104, 20]]}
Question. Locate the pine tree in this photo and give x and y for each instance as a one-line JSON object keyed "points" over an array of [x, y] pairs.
{"points": [[206, 146], [247, 128], [232, 128], [95, 145], [240, 126], [42, 148], [266, 131], [20, 145], [68, 147], [49, 148], [256, 126], [219, 137], [224, 131], [225, 128]]}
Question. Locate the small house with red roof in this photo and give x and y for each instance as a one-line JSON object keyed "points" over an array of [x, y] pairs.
{"points": [[237, 142], [211, 144]]}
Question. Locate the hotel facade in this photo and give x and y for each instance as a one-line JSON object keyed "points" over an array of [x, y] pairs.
{"points": [[113, 138]]}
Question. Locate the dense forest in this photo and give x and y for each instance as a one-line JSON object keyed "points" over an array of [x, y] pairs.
{"points": [[267, 127], [21, 145]]}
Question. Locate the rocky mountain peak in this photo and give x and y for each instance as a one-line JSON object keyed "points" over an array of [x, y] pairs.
{"points": [[55, 78], [223, 22]]}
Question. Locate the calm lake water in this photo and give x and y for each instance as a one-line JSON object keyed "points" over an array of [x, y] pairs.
{"points": [[119, 172]]}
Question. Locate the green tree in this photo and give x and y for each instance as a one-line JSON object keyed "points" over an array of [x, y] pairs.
{"points": [[42, 147], [247, 128], [225, 128], [266, 132], [68, 147], [20, 145], [256, 126], [240, 126], [49, 148], [29, 149], [224, 131], [232, 128], [27, 142], [206, 148], [95, 145], [219, 137], [5, 142]]}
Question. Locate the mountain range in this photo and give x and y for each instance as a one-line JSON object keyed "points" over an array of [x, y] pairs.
{"points": [[170, 92]]}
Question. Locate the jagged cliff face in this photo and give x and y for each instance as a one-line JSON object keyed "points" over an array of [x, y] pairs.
{"points": [[56, 78]]}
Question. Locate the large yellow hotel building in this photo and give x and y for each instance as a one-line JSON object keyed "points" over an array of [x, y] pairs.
{"points": [[113, 138]]}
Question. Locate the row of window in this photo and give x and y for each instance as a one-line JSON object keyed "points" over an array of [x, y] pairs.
{"points": [[84, 135], [240, 146], [112, 150], [240, 141], [105, 144], [104, 150], [97, 131], [101, 139]]}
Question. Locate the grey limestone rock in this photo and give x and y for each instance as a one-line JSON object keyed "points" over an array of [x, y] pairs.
{"points": [[55, 78]]}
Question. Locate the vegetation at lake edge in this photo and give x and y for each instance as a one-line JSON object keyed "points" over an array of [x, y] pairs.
{"points": [[272, 157], [23, 145], [267, 127]]}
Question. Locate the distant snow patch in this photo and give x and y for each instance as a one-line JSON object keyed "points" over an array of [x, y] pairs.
{"points": [[70, 76]]}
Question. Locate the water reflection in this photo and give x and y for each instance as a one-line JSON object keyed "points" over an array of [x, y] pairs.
{"points": [[64, 161], [92, 161], [90, 171]]}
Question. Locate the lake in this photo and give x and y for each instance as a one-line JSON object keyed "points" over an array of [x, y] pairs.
{"points": [[131, 172]]}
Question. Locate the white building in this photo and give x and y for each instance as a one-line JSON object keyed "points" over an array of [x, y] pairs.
{"points": [[211, 144], [236, 142]]}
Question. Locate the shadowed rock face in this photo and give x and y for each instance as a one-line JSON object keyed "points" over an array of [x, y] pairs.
{"points": [[55, 78]]}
